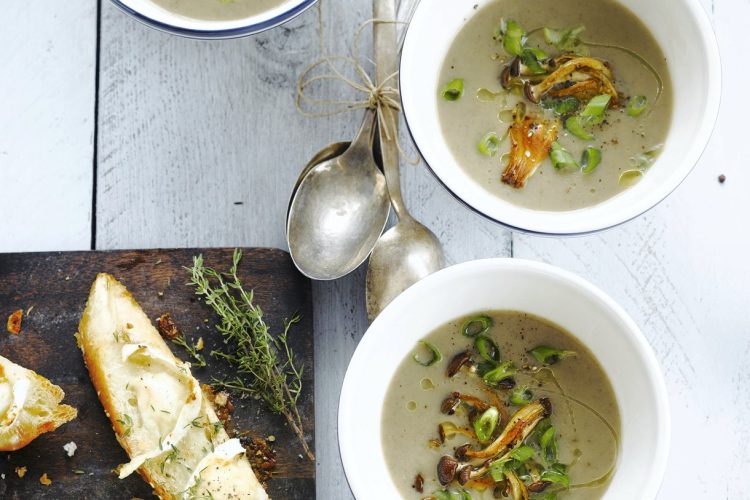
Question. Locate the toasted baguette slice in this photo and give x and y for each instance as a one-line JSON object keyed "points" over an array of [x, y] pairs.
{"points": [[158, 411], [29, 406]]}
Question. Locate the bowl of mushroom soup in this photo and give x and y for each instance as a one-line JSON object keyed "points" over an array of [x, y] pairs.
{"points": [[560, 117], [504, 377]]}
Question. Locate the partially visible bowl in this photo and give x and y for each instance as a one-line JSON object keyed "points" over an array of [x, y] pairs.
{"points": [[682, 29], [511, 284], [162, 19]]}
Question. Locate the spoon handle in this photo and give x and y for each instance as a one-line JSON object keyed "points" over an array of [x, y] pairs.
{"points": [[360, 150], [384, 41]]}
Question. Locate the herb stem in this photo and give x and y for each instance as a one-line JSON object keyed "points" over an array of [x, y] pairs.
{"points": [[265, 364]]}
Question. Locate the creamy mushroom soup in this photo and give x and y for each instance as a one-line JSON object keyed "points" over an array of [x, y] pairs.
{"points": [[555, 105], [217, 10], [500, 403]]}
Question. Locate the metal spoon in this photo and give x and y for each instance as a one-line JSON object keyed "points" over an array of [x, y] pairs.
{"points": [[327, 153], [408, 251], [338, 210]]}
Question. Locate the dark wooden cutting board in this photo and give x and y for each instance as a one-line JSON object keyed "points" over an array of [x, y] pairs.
{"points": [[54, 286]]}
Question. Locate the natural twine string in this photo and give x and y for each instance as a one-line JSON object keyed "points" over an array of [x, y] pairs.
{"points": [[378, 97]]}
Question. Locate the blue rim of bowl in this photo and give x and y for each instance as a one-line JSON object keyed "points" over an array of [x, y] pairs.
{"points": [[522, 230], [218, 34]]}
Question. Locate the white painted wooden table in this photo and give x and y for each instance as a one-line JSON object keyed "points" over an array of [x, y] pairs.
{"points": [[113, 135]]}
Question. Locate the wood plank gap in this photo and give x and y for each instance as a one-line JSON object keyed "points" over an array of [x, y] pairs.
{"points": [[95, 156]]}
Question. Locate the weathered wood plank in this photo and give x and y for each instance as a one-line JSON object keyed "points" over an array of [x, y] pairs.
{"points": [[200, 141], [48, 53], [57, 285], [681, 271]]}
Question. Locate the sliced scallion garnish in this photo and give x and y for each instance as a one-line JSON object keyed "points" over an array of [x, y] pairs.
{"points": [[459, 494], [548, 443], [487, 348], [594, 110], [530, 58], [557, 474], [521, 396], [478, 325], [592, 114], [502, 372], [498, 469], [511, 462], [453, 90], [522, 453], [489, 145], [561, 158], [590, 159], [435, 357], [549, 355], [640, 163], [485, 425], [567, 40], [575, 125], [637, 105], [644, 160], [630, 177], [512, 35]]}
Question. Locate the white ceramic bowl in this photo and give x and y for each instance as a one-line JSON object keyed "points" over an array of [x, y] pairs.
{"points": [[561, 297], [157, 17], [684, 32]]}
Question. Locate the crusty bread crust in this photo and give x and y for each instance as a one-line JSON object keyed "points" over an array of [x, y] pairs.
{"points": [[42, 395], [113, 329], [96, 368]]}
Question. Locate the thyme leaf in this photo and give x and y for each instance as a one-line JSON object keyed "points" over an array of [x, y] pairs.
{"points": [[192, 349], [265, 365]]}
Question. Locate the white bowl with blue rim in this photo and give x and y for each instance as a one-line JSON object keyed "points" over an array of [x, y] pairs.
{"points": [[558, 296], [162, 19], [684, 32]]}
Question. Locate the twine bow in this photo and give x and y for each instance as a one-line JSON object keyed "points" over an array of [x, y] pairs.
{"points": [[379, 97]]}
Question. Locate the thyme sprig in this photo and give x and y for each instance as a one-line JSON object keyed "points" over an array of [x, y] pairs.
{"points": [[264, 363], [192, 349]]}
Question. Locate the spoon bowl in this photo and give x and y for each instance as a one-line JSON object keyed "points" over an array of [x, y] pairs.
{"points": [[405, 254], [327, 153], [338, 210]]}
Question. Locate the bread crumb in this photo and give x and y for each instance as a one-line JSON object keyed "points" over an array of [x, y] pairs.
{"points": [[167, 327], [200, 344], [221, 399], [14, 322], [70, 448], [45, 480], [21, 471]]}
